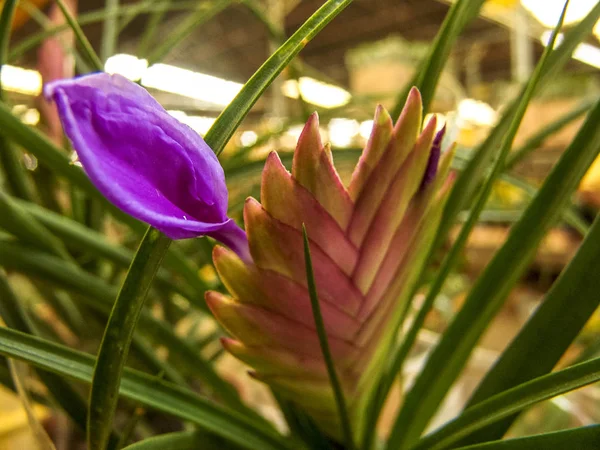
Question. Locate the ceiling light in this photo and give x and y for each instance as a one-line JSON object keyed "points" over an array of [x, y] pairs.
{"points": [[586, 53], [191, 84], [248, 138], [129, 66], [476, 112], [24, 81], [175, 80], [548, 12], [316, 92], [199, 124], [342, 131], [365, 128]]}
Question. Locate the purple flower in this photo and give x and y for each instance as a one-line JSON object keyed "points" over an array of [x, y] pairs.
{"points": [[143, 160]]}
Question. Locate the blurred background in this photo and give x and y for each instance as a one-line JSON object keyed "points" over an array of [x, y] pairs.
{"points": [[365, 56]]}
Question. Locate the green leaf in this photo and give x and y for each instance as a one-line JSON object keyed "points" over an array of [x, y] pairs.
{"points": [[511, 401], [78, 237], [489, 292], [110, 30], [327, 357], [232, 116], [460, 14], [535, 141], [99, 15], [549, 332], [87, 48], [204, 12], [13, 314], [99, 296], [17, 221], [183, 440], [583, 438], [452, 256], [118, 334], [469, 180], [150, 391], [14, 171]]}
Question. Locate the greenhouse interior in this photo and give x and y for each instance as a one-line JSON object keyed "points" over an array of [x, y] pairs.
{"points": [[299, 224]]}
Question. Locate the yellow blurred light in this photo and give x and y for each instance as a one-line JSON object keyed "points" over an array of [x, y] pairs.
{"points": [[316, 92], [23, 81]]}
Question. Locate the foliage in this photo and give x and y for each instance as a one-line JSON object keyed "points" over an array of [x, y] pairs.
{"points": [[87, 262]]}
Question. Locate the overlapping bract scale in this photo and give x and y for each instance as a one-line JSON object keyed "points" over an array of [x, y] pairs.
{"points": [[368, 244]]}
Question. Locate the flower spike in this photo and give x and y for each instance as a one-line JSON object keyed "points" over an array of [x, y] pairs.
{"points": [[368, 243], [143, 160]]}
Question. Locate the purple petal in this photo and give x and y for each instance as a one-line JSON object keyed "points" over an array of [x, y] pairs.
{"points": [[142, 159], [434, 159]]}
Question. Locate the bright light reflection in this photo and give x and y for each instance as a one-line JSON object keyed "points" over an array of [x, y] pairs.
{"points": [[365, 128], [191, 84], [476, 112], [342, 131], [316, 92], [199, 124], [129, 66], [585, 53], [248, 138], [24, 81]]}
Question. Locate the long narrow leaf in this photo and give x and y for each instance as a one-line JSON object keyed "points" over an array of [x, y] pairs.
{"points": [[511, 401], [78, 237], [460, 14], [470, 178], [236, 111], [325, 349], [538, 138], [87, 48], [110, 30], [99, 295], [16, 220], [147, 390], [12, 312], [99, 15], [489, 292], [452, 256], [549, 332], [118, 334], [14, 171], [582, 438], [204, 12]]}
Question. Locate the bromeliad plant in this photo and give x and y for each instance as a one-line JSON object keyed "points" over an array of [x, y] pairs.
{"points": [[368, 244], [315, 289]]}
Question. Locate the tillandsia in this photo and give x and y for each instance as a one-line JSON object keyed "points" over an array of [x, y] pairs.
{"points": [[368, 243], [145, 161]]}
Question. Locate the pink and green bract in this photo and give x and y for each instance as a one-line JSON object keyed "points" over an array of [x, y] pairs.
{"points": [[368, 243]]}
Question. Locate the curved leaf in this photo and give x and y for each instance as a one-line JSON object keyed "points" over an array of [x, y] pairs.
{"points": [[448, 358], [147, 390], [511, 401]]}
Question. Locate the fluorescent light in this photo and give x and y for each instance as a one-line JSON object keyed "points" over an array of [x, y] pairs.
{"points": [[476, 112], [342, 131], [316, 92], [586, 53], [24, 81], [191, 84], [129, 66], [547, 12], [199, 124], [248, 138], [175, 80], [365, 128]]}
